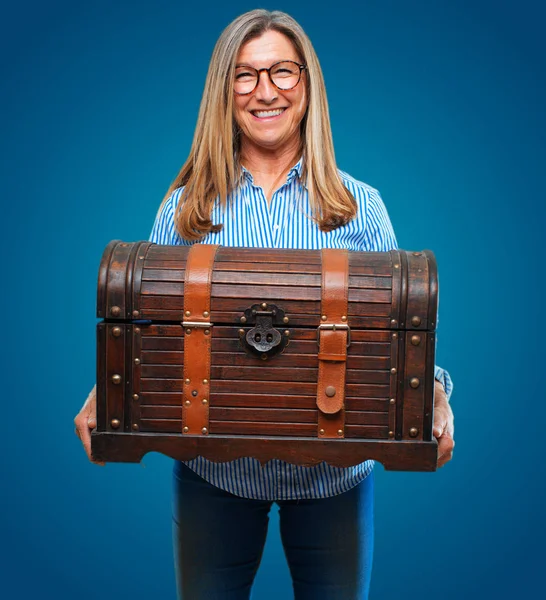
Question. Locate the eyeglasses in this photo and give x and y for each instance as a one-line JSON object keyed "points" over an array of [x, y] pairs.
{"points": [[284, 75]]}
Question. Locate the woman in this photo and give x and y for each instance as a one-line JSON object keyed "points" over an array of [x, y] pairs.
{"points": [[261, 172]]}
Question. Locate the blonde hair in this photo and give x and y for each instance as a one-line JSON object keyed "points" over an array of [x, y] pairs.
{"points": [[212, 168]]}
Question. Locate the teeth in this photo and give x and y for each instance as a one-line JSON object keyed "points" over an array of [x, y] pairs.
{"points": [[261, 114]]}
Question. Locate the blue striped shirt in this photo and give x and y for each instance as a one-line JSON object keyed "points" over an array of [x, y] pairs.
{"points": [[249, 221]]}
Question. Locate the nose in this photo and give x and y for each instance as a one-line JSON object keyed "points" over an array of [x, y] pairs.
{"points": [[265, 90]]}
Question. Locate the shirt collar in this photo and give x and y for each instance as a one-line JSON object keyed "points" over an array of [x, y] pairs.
{"points": [[296, 170]]}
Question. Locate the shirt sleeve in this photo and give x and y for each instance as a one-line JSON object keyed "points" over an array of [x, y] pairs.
{"points": [[379, 237], [164, 230]]}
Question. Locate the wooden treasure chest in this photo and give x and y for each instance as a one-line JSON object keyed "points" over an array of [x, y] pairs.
{"points": [[299, 355]]}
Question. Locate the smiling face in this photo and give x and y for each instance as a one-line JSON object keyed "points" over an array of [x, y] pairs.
{"points": [[270, 118]]}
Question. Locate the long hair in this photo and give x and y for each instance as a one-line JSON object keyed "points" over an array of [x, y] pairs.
{"points": [[212, 168]]}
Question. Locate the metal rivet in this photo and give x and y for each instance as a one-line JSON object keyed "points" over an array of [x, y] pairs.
{"points": [[135, 313], [321, 431], [344, 318], [243, 319], [186, 429], [264, 305], [115, 423], [137, 329], [416, 254], [194, 392], [396, 266], [116, 332], [263, 356], [116, 379], [115, 311], [135, 396], [393, 401], [286, 332], [187, 403], [340, 431], [414, 382], [393, 370], [206, 313], [187, 313], [391, 433], [207, 331], [188, 331], [186, 381], [394, 336], [204, 401], [285, 319], [141, 257], [241, 331], [415, 321], [330, 391], [135, 426], [413, 432], [204, 430], [415, 340], [137, 361], [323, 318], [394, 322], [205, 381]]}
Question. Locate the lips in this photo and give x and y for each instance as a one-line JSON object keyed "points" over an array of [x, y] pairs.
{"points": [[265, 114]]}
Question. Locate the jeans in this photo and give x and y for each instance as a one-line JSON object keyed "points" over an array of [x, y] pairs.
{"points": [[219, 539]]}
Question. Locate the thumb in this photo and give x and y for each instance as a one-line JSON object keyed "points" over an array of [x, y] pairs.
{"points": [[92, 422]]}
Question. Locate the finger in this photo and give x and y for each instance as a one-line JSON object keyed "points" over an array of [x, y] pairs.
{"points": [[445, 450]]}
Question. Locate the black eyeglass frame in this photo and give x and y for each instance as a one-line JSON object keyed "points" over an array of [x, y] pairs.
{"points": [[268, 71]]}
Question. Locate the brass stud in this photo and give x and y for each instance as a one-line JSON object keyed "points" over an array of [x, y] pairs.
{"points": [[187, 313], [264, 305], [285, 319], [416, 321], [194, 393], [115, 311], [206, 313], [187, 403], [340, 432], [391, 434], [330, 391], [141, 257], [394, 336], [393, 370], [393, 401], [241, 332], [344, 318], [204, 430], [116, 379], [115, 423], [207, 331], [397, 266], [414, 382], [243, 319], [413, 432], [135, 396], [204, 401], [286, 332], [321, 431], [416, 254], [186, 381], [323, 318], [205, 381], [116, 332], [188, 331], [135, 313], [394, 322], [137, 361], [186, 429], [263, 356], [135, 426], [415, 340], [137, 329]]}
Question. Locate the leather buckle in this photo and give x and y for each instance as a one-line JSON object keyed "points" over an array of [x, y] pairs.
{"points": [[333, 327]]}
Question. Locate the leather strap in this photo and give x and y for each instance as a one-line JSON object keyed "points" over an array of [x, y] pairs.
{"points": [[197, 339], [333, 338]]}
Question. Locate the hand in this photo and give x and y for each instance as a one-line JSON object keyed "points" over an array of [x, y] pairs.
{"points": [[443, 425], [85, 421]]}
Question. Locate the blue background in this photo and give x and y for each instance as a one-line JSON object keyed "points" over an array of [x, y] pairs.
{"points": [[438, 104]]}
